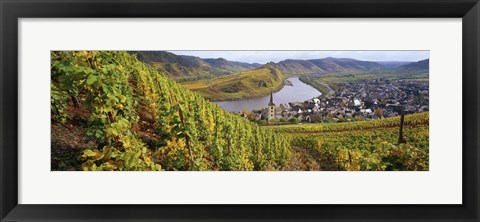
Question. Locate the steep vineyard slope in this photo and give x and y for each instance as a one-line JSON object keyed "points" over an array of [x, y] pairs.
{"points": [[365, 145], [246, 84], [112, 112]]}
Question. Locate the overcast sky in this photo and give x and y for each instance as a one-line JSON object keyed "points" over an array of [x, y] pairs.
{"points": [[277, 56]]}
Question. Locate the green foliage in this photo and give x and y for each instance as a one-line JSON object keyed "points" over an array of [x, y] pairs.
{"points": [[273, 121], [233, 88], [141, 120], [366, 145], [293, 120], [262, 122], [58, 103]]}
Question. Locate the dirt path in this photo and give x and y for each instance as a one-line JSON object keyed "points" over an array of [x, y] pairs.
{"points": [[301, 160], [308, 160]]}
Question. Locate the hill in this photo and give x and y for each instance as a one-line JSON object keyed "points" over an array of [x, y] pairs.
{"points": [[298, 67], [332, 65], [224, 64], [219, 79], [109, 111], [392, 64], [420, 65], [247, 84], [326, 65], [190, 68], [183, 68], [258, 82]]}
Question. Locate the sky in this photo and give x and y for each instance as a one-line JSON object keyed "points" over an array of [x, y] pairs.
{"points": [[277, 56]]}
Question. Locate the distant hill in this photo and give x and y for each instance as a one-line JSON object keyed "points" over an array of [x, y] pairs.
{"points": [[298, 67], [331, 65], [325, 65], [392, 64], [183, 68], [188, 68], [166, 57], [233, 66], [420, 65]]}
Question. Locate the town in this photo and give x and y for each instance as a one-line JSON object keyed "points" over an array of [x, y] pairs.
{"points": [[361, 100]]}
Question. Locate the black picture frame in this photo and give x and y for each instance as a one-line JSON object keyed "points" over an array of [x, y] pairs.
{"points": [[11, 11]]}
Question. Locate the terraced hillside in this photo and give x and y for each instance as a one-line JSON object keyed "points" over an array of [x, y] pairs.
{"points": [[109, 111], [364, 145], [246, 84]]}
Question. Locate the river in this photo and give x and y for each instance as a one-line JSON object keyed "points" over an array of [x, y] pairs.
{"points": [[299, 92]]}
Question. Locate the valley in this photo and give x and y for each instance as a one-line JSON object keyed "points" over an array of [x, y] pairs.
{"points": [[223, 80]]}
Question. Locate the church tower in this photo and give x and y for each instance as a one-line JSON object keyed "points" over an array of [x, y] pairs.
{"points": [[271, 107]]}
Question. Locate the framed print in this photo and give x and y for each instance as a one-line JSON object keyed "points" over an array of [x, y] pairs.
{"points": [[225, 110]]}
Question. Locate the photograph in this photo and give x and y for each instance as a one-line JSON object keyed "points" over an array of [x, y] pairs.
{"points": [[240, 110], [278, 110]]}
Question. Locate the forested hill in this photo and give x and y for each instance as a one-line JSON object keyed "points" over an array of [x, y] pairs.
{"points": [[325, 65], [222, 63], [183, 68], [420, 65], [298, 67], [112, 112], [191, 68], [332, 65]]}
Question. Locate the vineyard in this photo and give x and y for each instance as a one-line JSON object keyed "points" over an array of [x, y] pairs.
{"points": [[246, 84], [121, 114], [365, 145], [109, 111]]}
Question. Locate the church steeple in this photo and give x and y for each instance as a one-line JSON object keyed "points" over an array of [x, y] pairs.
{"points": [[271, 99], [271, 108]]}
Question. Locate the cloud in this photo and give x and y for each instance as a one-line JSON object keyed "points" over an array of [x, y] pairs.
{"points": [[277, 56]]}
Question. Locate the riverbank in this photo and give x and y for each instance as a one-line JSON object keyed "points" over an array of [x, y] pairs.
{"points": [[324, 88]]}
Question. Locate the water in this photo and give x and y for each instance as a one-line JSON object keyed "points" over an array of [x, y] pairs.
{"points": [[299, 92]]}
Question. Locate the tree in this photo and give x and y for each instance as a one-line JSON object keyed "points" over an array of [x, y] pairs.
{"points": [[293, 120], [378, 112], [273, 121]]}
